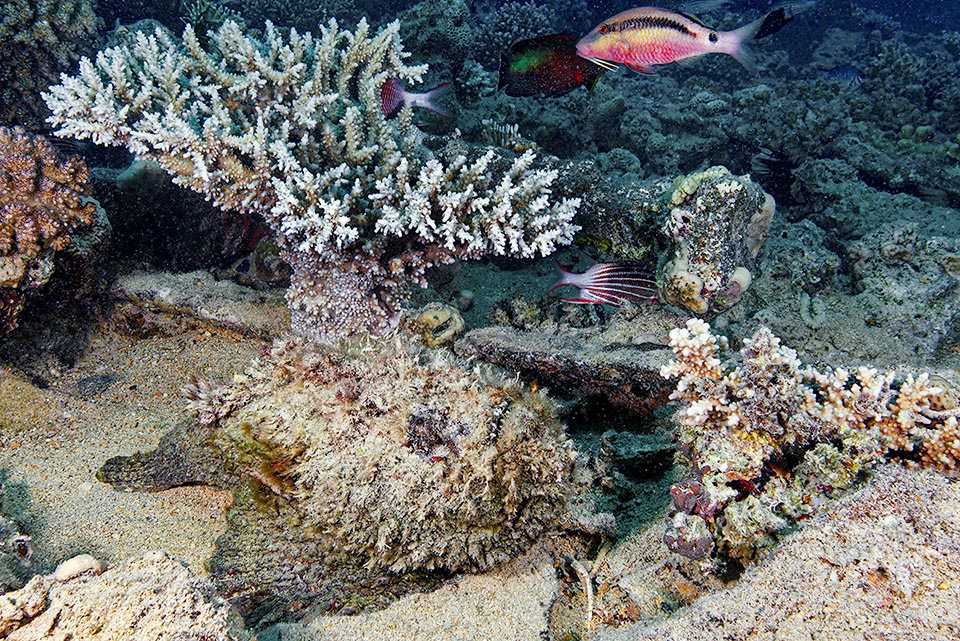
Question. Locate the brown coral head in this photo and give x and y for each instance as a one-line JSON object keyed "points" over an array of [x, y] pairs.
{"points": [[41, 196]]}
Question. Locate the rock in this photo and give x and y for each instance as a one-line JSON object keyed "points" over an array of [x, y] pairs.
{"points": [[576, 364], [74, 567], [149, 598]]}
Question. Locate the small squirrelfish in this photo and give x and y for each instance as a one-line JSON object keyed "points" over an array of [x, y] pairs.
{"points": [[645, 37], [393, 96], [610, 284]]}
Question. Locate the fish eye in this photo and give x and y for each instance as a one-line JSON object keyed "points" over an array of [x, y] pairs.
{"points": [[602, 30], [713, 36]]}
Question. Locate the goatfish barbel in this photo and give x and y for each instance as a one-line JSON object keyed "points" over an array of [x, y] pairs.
{"points": [[644, 37]]}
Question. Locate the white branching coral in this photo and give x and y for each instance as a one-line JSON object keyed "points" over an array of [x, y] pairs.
{"points": [[767, 441], [291, 127]]}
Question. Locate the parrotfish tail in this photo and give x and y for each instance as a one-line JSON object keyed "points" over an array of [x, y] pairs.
{"points": [[429, 100], [760, 28]]}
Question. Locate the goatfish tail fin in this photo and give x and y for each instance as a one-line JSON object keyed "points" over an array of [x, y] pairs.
{"points": [[760, 28]]}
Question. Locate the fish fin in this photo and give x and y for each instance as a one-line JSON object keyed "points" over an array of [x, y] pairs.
{"points": [[639, 68], [429, 100], [773, 22], [565, 275], [760, 28]]}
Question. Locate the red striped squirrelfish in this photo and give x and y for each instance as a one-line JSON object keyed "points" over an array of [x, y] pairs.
{"points": [[644, 37], [610, 284]]}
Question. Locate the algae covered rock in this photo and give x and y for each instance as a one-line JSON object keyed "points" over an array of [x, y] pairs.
{"points": [[718, 223], [360, 472]]}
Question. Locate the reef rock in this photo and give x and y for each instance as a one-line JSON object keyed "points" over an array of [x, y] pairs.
{"points": [[149, 598], [364, 472], [574, 364], [718, 223]]}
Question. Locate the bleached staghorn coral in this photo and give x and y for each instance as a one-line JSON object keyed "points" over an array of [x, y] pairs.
{"points": [[291, 127], [769, 440]]}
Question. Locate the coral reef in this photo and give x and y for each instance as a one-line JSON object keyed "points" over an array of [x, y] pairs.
{"points": [[908, 283], [883, 557], [149, 598], [768, 442], [42, 200], [291, 127], [507, 22], [439, 32], [718, 223], [369, 460], [38, 40]]}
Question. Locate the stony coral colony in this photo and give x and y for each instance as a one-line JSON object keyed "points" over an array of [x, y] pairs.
{"points": [[769, 441], [42, 199]]}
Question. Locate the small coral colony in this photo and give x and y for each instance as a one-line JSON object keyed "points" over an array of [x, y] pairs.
{"points": [[401, 457]]}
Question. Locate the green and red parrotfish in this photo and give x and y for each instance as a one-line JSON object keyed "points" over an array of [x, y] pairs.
{"points": [[546, 66], [645, 37], [393, 96]]}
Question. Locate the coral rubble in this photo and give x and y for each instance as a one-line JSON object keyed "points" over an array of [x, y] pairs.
{"points": [[151, 597], [291, 127], [42, 200], [769, 441]]}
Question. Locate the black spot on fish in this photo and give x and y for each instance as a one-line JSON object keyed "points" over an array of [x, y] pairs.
{"points": [[713, 36]]}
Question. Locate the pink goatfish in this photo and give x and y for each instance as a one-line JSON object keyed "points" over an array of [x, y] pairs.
{"points": [[645, 37], [393, 95], [610, 284]]}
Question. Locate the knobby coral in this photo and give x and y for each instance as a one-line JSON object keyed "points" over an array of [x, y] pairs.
{"points": [[291, 126], [42, 198], [768, 441]]}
